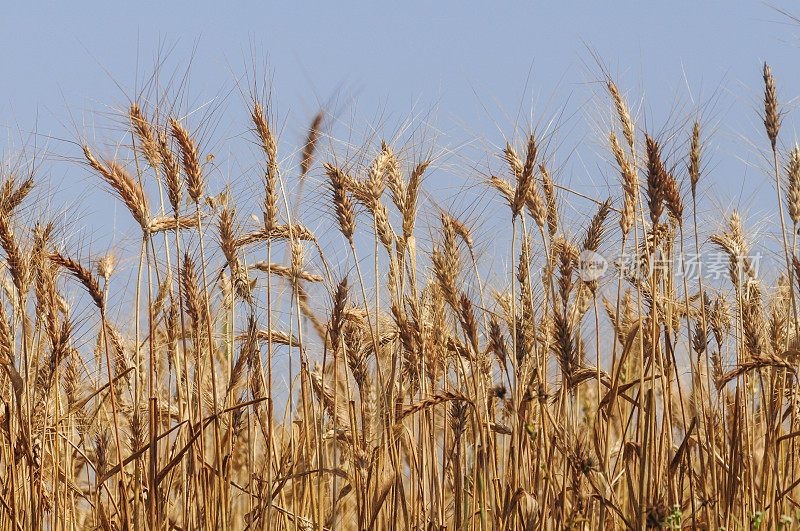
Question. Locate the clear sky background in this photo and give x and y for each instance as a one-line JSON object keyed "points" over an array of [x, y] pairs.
{"points": [[469, 67]]}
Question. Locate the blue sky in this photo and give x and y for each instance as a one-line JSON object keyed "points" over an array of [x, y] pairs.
{"points": [[467, 67], [464, 69]]}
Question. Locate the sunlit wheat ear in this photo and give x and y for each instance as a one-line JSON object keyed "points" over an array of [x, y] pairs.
{"points": [[772, 116], [535, 205], [11, 195], [191, 160], [386, 233], [376, 174], [128, 189], [672, 197], [265, 136], [106, 265], [394, 178], [732, 242], [144, 133], [463, 232], [514, 161], [446, 264], [504, 188], [793, 185], [268, 145], [18, 259], [450, 246], [298, 260], [525, 178], [552, 200], [270, 213], [623, 115], [594, 233], [629, 185], [286, 272], [228, 237], [410, 202]]}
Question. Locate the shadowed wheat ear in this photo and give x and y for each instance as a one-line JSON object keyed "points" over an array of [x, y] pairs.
{"points": [[147, 139], [83, 275], [192, 294], [336, 326], [796, 266], [694, 157], [656, 179], [311, 143], [343, 208]]}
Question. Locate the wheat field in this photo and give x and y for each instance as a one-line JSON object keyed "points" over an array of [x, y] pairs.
{"points": [[350, 359]]}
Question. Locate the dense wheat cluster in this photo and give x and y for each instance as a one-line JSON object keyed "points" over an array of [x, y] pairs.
{"points": [[372, 374]]}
